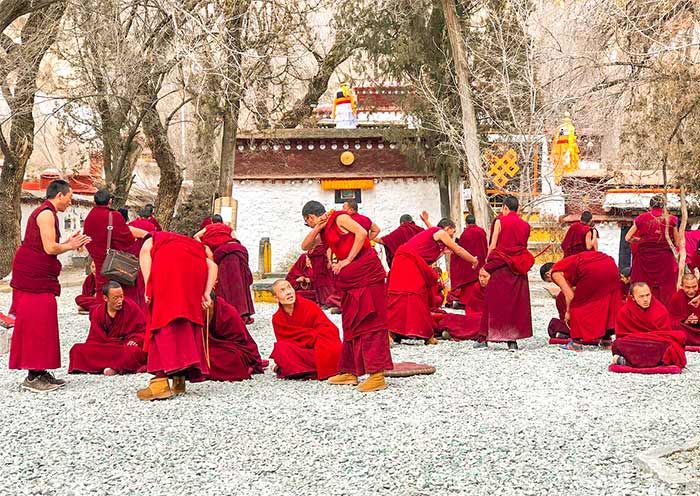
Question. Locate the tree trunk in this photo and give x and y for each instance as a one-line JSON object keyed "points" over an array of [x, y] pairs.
{"points": [[456, 201], [443, 187], [228, 149], [470, 135], [681, 231]]}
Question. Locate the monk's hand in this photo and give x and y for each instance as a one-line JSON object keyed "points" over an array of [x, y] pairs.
{"points": [[147, 299], [78, 240], [475, 263], [692, 319], [132, 343], [567, 317], [424, 216], [338, 266], [300, 279], [695, 301], [206, 301]]}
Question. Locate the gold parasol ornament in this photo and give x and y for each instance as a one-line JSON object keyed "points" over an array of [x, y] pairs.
{"points": [[565, 153]]}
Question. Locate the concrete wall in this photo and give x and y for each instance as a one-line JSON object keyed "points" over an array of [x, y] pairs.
{"points": [[609, 240], [273, 209]]}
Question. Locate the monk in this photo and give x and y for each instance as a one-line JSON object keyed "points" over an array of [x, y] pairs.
{"points": [[590, 285], [412, 281], [684, 311], [467, 327], [215, 234], [35, 269], [145, 222], [235, 277], [654, 262], [360, 275], [233, 354], [464, 277], [406, 230], [115, 341], [625, 282], [581, 236], [327, 294], [146, 213], [308, 344], [372, 229], [86, 300], [179, 280], [300, 277], [644, 337], [507, 314]]}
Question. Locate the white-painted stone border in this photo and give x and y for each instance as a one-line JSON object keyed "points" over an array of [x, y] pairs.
{"points": [[655, 461]]}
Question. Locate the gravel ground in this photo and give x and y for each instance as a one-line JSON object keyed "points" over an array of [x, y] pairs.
{"points": [[687, 462], [541, 421]]}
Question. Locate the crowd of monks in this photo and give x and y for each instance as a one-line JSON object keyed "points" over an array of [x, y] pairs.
{"points": [[184, 317]]}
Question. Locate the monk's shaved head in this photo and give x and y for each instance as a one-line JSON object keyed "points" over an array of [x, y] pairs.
{"points": [[313, 208], [56, 187], [586, 217], [284, 293], [405, 218], [545, 271], [277, 284], [641, 293], [445, 222], [351, 206], [470, 220], [689, 278], [689, 285]]}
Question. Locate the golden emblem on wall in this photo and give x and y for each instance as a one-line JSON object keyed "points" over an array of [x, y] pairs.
{"points": [[347, 158], [501, 169]]}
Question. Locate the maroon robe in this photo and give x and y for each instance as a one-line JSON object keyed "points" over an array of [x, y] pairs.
{"points": [[644, 337], [324, 280], [233, 354], [235, 277], [300, 269], [364, 303], [466, 327], [680, 309], [462, 275], [507, 312], [654, 262], [35, 342], [397, 237], [575, 239], [137, 293], [87, 299], [106, 345], [363, 220], [215, 235], [308, 344]]}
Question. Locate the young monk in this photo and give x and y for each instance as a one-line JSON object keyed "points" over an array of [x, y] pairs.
{"points": [[86, 300], [643, 332], [464, 277], [581, 236], [327, 294], [412, 281], [589, 283], [300, 277], [115, 341], [507, 313], [684, 311], [654, 262], [360, 275], [372, 229], [625, 283], [235, 277], [308, 344], [467, 327], [179, 280], [406, 230]]}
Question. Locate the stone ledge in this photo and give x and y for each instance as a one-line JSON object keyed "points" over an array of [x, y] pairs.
{"points": [[654, 461]]}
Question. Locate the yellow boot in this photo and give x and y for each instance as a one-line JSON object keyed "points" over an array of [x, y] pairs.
{"points": [[343, 380], [431, 340], [179, 385], [375, 382], [158, 389]]}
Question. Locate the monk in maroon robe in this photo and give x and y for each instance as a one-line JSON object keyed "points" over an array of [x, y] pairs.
{"points": [[233, 353], [308, 344], [580, 237], [300, 276], [327, 294], [589, 283], [215, 234], [235, 277], [463, 277], [35, 269], [144, 222], [361, 278], [179, 280], [684, 310], [412, 281], [654, 262], [372, 229], [87, 300], [115, 341], [507, 313], [644, 337], [467, 327], [406, 230]]}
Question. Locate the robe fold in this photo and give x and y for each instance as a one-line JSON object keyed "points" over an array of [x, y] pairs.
{"points": [[644, 337], [363, 220], [235, 277], [462, 275], [89, 297], [466, 327], [300, 269], [216, 235], [680, 309], [398, 237], [324, 280], [575, 239], [308, 343], [106, 344]]}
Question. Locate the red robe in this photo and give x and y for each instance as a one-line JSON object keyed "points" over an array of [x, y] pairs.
{"points": [[596, 279], [216, 235], [87, 299], [106, 344], [174, 338], [507, 312], [462, 275], [308, 343], [35, 342], [233, 354], [364, 303], [412, 285], [654, 262], [680, 309], [575, 239], [465, 327], [235, 277], [363, 220], [645, 338], [324, 279], [299, 269], [398, 237]]}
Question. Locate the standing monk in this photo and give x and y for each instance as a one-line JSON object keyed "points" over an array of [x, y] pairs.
{"points": [[372, 229], [507, 314], [463, 276], [406, 230], [581, 236], [361, 278], [684, 310], [654, 262], [412, 281], [179, 280], [35, 269], [235, 277]]}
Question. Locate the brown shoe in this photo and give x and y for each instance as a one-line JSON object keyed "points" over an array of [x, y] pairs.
{"points": [[343, 380], [158, 389], [51, 379], [179, 385], [375, 382], [38, 385]]}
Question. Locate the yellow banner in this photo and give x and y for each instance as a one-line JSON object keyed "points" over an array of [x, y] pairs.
{"points": [[333, 184]]}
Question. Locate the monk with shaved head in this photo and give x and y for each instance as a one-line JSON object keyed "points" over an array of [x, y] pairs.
{"points": [[684, 310]]}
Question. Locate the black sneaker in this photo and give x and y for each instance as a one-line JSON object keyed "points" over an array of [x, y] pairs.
{"points": [[512, 346], [51, 379], [481, 346], [38, 385]]}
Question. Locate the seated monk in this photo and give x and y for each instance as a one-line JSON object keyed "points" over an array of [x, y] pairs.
{"points": [[644, 336], [684, 310], [308, 344], [327, 294], [625, 282], [300, 277], [463, 327], [87, 299], [115, 340], [233, 354]]}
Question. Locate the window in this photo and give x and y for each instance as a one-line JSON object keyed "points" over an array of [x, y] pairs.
{"points": [[343, 195]]}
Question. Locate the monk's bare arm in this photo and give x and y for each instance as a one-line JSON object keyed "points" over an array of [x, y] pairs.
{"points": [[145, 264], [676, 237], [592, 240], [494, 236], [346, 223], [212, 273], [379, 240], [456, 249], [426, 219], [630, 234], [138, 233], [47, 230], [313, 238], [198, 235], [559, 280], [373, 231]]}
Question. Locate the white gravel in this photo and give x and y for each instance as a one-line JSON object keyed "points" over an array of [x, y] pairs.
{"points": [[541, 421]]}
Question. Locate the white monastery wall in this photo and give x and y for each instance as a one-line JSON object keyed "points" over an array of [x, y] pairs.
{"points": [[609, 240]]}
